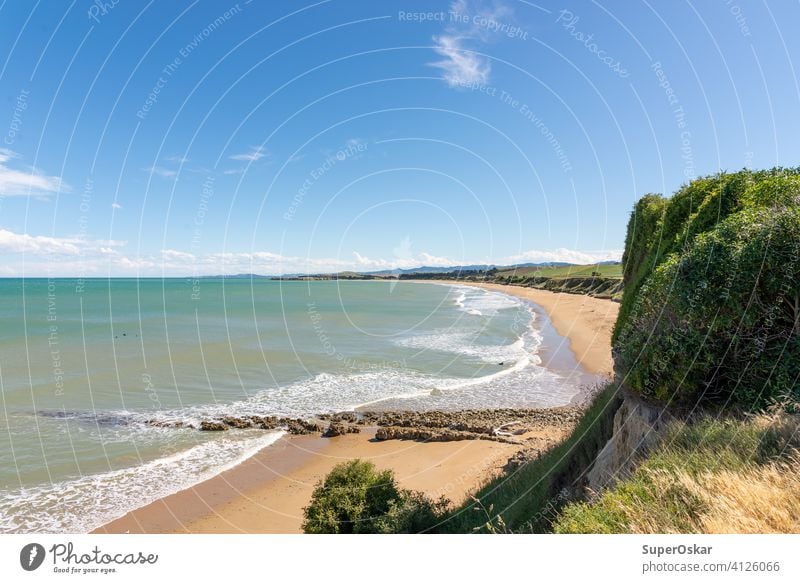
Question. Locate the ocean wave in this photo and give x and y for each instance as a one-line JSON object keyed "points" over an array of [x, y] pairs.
{"points": [[82, 504], [481, 302]]}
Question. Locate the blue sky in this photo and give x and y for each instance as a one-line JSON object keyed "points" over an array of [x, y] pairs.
{"points": [[185, 138]]}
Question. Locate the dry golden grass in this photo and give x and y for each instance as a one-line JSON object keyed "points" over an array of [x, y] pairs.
{"points": [[712, 476], [761, 499]]}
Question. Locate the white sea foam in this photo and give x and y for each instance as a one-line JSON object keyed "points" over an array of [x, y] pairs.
{"points": [[467, 343], [83, 504], [481, 302]]}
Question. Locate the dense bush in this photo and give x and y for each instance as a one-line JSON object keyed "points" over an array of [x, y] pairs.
{"points": [[641, 240], [714, 315], [357, 499]]}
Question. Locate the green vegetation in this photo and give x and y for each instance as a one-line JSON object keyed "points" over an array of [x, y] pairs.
{"points": [[711, 309], [527, 499], [711, 476], [599, 280], [355, 498], [598, 270]]}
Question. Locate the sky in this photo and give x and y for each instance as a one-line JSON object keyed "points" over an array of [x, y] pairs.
{"points": [[198, 138]]}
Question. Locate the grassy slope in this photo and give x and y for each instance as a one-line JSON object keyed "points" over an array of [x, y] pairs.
{"points": [[528, 499], [605, 270], [711, 476]]}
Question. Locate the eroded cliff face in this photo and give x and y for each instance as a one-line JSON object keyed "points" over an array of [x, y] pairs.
{"points": [[638, 426]]}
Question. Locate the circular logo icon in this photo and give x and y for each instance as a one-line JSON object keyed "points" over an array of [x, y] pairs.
{"points": [[31, 556]]}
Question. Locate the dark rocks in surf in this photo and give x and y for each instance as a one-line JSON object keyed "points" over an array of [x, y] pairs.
{"points": [[516, 426], [237, 422], [302, 427], [336, 429], [504, 425], [213, 426]]}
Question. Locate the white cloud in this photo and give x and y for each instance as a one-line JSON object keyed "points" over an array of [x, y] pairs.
{"points": [[461, 65], [29, 182], [177, 159], [173, 255], [434, 261], [24, 243], [253, 155], [73, 256], [563, 256], [116, 205], [161, 171]]}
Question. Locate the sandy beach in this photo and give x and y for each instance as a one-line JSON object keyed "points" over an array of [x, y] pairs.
{"points": [[586, 322], [267, 493]]}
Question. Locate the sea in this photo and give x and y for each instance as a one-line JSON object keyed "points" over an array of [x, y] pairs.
{"points": [[86, 366]]}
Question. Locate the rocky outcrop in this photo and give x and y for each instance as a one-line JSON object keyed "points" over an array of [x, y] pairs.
{"points": [[428, 434], [638, 426], [504, 425], [293, 426], [212, 426], [302, 427], [335, 429]]}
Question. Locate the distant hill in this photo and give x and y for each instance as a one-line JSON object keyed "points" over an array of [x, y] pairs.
{"points": [[546, 269], [428, 269]]}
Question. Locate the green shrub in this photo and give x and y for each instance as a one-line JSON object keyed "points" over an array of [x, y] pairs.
{"points": [[642, 240], [710, 308], [355, 498], [719, 323]]}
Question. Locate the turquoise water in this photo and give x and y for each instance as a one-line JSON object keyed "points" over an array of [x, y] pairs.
{"points": [[84, 363]]}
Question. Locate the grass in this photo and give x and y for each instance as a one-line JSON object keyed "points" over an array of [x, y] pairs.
{"points": [[709, 476], [528, 499], [612, 270]]}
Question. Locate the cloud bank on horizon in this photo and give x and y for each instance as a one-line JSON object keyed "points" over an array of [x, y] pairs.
{"points": [[43, 256]]}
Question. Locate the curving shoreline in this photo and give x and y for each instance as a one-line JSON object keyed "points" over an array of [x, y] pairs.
{"points": [[586, 322], [266, 493]]}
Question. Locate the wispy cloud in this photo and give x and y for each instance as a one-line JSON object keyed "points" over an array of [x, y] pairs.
{"points": [[26, 182], [460, 67], [253, 155], [161, 171], [177, 159], [173, 255], [460, 64], [116, 205]]}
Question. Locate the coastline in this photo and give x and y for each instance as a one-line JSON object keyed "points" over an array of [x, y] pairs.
{"points": [[584, 321], [267, 492]]}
